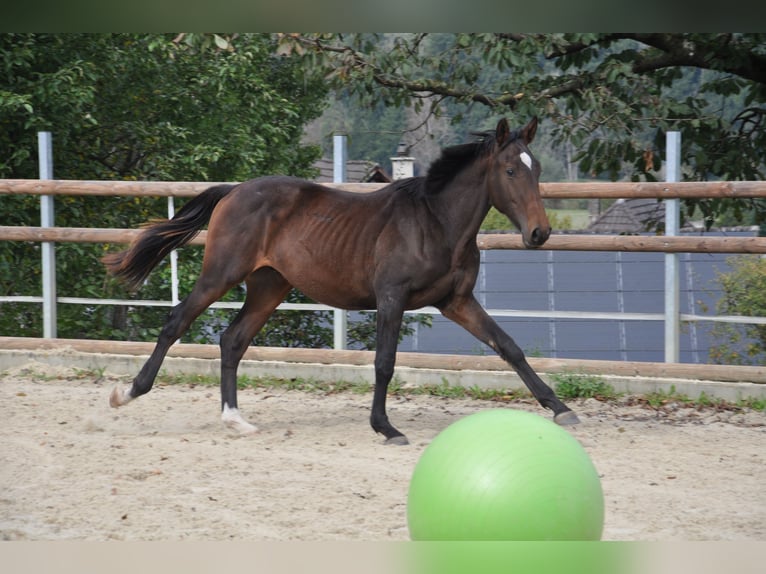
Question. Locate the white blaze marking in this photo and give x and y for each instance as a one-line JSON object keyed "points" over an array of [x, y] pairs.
{"points": [[526, 159]]}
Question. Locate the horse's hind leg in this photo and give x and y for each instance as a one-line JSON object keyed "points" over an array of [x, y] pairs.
{"points": [[180, 318], [469, 314], [266, 289]]}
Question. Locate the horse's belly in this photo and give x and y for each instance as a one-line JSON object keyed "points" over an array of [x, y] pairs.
{"points": [[340, 296]]}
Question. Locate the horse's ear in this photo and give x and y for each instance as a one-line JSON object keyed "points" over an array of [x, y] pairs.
{"points": [[502, 132], [528, 131]]}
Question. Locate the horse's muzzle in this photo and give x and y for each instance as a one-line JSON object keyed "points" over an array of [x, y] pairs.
{"points": [[538, 236]]}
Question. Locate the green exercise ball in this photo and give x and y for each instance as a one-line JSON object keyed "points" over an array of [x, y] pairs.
{"points": [[504, 474]]}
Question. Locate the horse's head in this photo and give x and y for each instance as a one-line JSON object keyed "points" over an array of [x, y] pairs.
{"points": [[513, 182]]}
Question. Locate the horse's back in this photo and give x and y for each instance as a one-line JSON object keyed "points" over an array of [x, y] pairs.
{"points": [[285, 187], [298, 203]]}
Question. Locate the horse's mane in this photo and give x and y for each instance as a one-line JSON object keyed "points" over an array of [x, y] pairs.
{"points": [[452, 160]]}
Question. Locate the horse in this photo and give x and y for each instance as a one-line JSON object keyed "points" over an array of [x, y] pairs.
{"points": [[404, 246]]}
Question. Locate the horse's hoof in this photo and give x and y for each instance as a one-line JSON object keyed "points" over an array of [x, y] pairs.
{"points": [[233, 420], [566, 418], [117, 398], [241, 429], [399, 440]]}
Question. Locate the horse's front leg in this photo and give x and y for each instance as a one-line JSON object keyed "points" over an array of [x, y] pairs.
{"points": [[389, 321], [266, 288], [469, 314]]}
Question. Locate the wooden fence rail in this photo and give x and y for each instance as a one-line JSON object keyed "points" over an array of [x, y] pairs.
{"points": [[550, 190], [575, 242]]}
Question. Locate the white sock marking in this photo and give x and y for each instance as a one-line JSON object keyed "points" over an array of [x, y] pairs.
{"points": [[526, 159], [233, 419], [120, 397]]}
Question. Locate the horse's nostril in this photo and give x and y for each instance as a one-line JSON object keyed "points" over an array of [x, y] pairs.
{"points": [[538, 236]]}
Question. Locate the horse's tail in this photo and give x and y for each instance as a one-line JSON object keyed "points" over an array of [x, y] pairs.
{"points": [[160, 237]]}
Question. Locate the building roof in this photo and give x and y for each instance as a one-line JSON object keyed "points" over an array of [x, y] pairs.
{"points": [[357, 171], [631, 216]]}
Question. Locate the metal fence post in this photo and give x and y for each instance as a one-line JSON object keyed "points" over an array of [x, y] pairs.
{"points": [[173, 259], [45, 147], [340, 317], [672, 225], [551, 277]]}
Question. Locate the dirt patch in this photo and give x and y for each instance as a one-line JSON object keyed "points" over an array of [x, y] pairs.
{"points": [[164, 468]]}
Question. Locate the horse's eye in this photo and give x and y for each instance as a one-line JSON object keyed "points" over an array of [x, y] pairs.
{"points": [[510, 171]]}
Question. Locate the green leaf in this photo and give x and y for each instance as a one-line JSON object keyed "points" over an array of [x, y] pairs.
{"points": [[220, 42]]}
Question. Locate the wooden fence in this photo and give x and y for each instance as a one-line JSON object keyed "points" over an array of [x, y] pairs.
{"points": [[583, 242], [579, 242]]}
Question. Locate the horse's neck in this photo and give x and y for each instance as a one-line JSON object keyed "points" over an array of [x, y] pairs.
{"points": [[461, 208]]}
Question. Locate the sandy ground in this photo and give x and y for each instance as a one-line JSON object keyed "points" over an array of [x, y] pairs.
{"points": [[164, 468]]}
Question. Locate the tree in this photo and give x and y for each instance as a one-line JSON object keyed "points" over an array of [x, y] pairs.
{"points": [[610, 96], [155, 107], [744, 293], [138, 106], [374, 134]]}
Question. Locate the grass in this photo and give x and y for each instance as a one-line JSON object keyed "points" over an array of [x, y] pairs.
{"points": [[446, 390], [577, 386], [395, 387], [567, 386], [661, 398], [292, 384]]}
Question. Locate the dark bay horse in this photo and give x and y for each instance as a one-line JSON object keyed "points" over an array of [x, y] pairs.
{"points": [[405, 246]]}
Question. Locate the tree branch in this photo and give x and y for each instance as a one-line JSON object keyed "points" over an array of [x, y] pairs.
{"points": [[714, 54], [429, 87], [678, 50]]}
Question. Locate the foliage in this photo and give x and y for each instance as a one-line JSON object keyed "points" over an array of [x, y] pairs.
{"points": [[154, 107], [496, 221], [361, 333], [144, 107], [744, 293], [314, 329], [574, 386], [373, 133], [611, 97]]}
